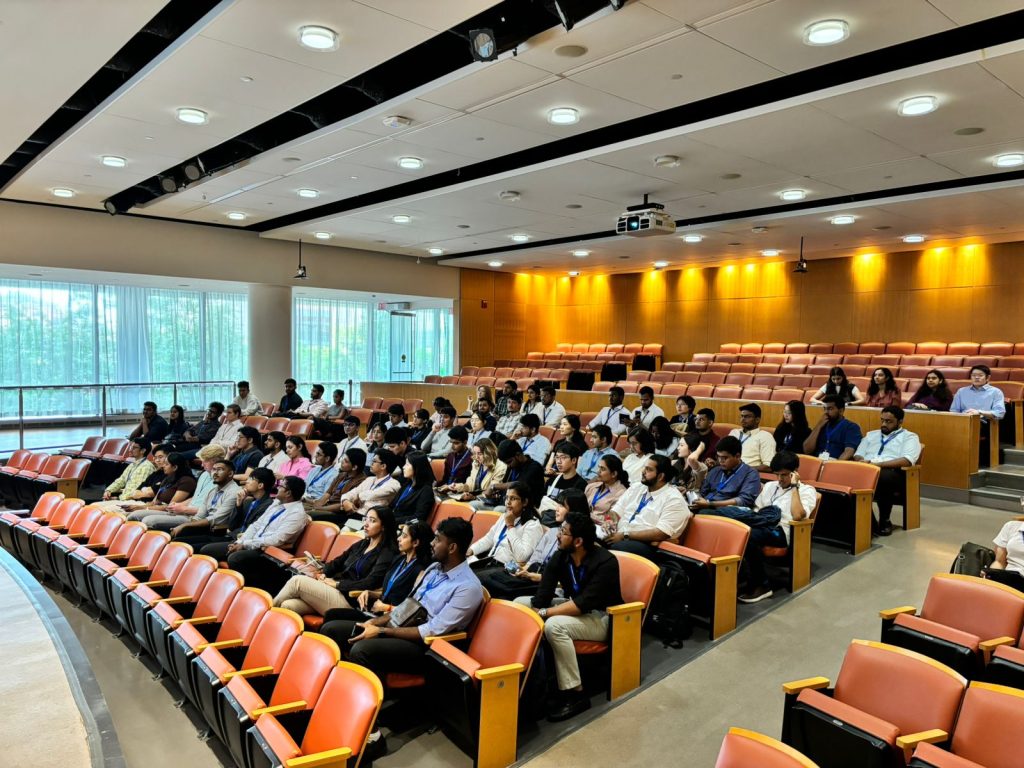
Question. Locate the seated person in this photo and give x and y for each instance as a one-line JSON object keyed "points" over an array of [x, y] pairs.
{"points": [[793, 430], [730, 484], [758, 445], [981, 399], [439, 403], [483, 392], [153, 426], [501, 404], [477, 429], [313, 408], [551, 411], [641, 448], [321, 477], [298, 462], [214, 512], [416, 499], [291, 400], [377, 490], [484, 472], [134, 474], [208, 455], [246, 401], [604, 492], [614, 415], [437, 445], [202, 433], [329, 426], [686, 414], [1008, 567], [350, 435], [396, 417], [648, 410], [486, 410], [245, 455], [280, 526], [839, 386], [459, 460], [568, 431], [600, 438], [833, 437], [509, 422], [933, 394], [532, 403], [177, 426], [419, 428], [789, 500], [141, 496], [690, 467], [883, 389], [511, 539], [227, 433], [251, 503], [396, 440], [274, 456], [704, 421], [650, 511], [566, 478], [589, 579], [890, 448], [177, 484], [507, 584], [531, 441], [666, 442], [374, 442], [519, 466], [361, 567], [351, 473]]}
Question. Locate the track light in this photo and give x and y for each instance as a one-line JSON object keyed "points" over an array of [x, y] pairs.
{"points": [[561, 9], [483, 45], [109, 207], [801, 264], [168, 184], [300, 271], [193, 170]]}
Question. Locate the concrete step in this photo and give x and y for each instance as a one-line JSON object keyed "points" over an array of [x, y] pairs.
{"points": [[995, 497], [1013, 456], [1003, 476]]}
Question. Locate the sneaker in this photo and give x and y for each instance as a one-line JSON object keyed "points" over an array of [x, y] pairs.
{"points": [[759, 594], [376, 747]]}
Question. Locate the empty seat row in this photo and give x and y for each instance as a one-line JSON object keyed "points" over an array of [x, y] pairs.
{"points": [[998, 348], [26, 476], [718, 359]]}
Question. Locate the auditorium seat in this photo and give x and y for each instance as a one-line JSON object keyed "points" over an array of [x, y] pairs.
{"points": [[655, 386], [725, 357], [742, 749], [665, 377], [697, 367], [931, 348], [602, 386], [482, 521], [797, 556], [997, 348], [710, 551], [856, 359], [184, 588], [799, 381], [742, 379], [469, 370], [91, 444], [615, 348], [700, 390], [801, 359], [871, 348], [687, 377], [269, 409], [99, 537], [673, 367], [563, 347], [829, 360], [740, 368], [955, 384], [882, 693], [316, 539], [78, 526], [123, 581], [766, 368], [849, 488], [432, 379], [986, 360], [955, 373], [674, 390], [950, 361], [121, 547], [503, 372], [755, 393], [751, 348], [301, 427], [959, 621], [799, 347], [774, 348], [768, 380], [846, 348], [785, 394], [446, 509], [792, 369], [143, 559], [900, 348], [718, 368], [342, 543], [631, 387], [39, 515], [256, 422], [916, 360], [1012, 361], [962, 348], [775, 359], [712, 377], [641, 376], [731, 348], [280, 423], [449, 380], [486, 370], [703, 357], [888, 361], [915, 373], [817, 349]]}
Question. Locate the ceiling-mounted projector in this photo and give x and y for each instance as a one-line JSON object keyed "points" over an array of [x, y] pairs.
{"points": [[645, 220]]}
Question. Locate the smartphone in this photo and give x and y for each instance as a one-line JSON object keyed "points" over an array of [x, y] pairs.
{"points": [[625, 418], [512, 566]]}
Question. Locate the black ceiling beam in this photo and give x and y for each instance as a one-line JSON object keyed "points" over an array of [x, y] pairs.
{"points": [[972, 37]]}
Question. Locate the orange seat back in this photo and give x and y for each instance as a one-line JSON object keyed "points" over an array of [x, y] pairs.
{"points": [[984, 608], [35, 462], [742, 749], [900, 348], [858, 475], [126, 538], [54, 465], [506, 633], [904, 688], [274, 637], [447, 509], [483, 522], [346, 710], [638, 577], [716, 536], [172, 559], [114, 445], [244, 615], [105, 529], [317, 538], [18, 459], [84, 520], [301, 427], [276, 424], [989, 726], [810, 467], [962, 348], [147, 552], [47, 505], [217, 594], [306, 669], [341, 544], [258, 422], [437, 466], [76, 469], [193, 576], [268, 409], [371, 403], [997, 348]]}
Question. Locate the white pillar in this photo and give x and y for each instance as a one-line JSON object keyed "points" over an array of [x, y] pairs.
{"points": [[270, 339]]}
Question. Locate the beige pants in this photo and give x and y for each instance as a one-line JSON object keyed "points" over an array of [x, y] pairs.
{"points": [[560, 631], [304, 594]]}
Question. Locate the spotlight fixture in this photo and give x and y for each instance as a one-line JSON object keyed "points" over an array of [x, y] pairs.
{"points": [[236, 215], [519, 237], [308, 193], [913, 238], [483, 45], [109, 207], [322, 235], [494, 264], [574, 274], [660, 264], [113, 161], [168, 184], [62, 192], [692, 238], [193, 170], [435, 251], [801, 264], [401, 218], [770, 252], [564, 116], [410, 163], [791, 195], [917, 105], [509, 196], [666, 161], [192, 115], [1008, 160], [318, 38], [300, 271], [843, 219], [826, 32], [581, 254]]}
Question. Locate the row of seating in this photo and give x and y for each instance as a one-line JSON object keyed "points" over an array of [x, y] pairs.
{"points": [[998, 348], [716, 360], [28, 475], [598, 348]]}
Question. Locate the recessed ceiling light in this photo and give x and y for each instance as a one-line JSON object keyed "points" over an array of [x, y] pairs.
{"points": [[509, 196], [574, 206], [692, 238], [435, 251], [570, 51], [843, 219], [913, 238], [318, 38], [660, 264], [401, 218], [574, 274], [972, 130], [667, 161], [760, 230], [245, 79], [793, 194], [581, 253], [236, 215], [1008, 160], [113, 161], [770, 252], [396, 121], [494, 264], [63, 192], [918, 105], [192, 116], [826, 32], [410, 163], [519, 237], [308, 193], [322, 235], [563, 116], [731, 176]]}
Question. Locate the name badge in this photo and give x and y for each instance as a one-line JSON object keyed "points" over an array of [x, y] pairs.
{"points": [[824, 456]]}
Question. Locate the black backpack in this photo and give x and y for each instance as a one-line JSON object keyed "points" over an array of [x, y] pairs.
{"points": [[973, 559], [669, 614]]}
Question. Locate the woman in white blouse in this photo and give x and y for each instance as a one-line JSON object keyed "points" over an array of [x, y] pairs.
{"points": [[641, 447], [514, 536], [1008, 567]]}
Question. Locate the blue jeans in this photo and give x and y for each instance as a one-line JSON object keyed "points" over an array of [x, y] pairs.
{"points": [[766, 517]]}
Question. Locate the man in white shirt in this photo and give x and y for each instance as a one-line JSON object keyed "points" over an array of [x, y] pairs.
{"points": [[892, 447], [794, 501], [352, 439], [551, 412], [313, 408], [610, 415], [273, 451], [227, 434], [650, 511], [279, 526], [758, 446], [648, 410], [534, 445], [247, 401], [377, 490]]}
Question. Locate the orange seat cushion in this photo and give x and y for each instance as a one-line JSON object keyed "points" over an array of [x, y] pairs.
{"points": [[884, 730], [774, 551], [278, 739], [401, 680], [589, 647], [940, 758], [940, 631], [1010, 653], [312, 621], [679, 549], [245, 695]]}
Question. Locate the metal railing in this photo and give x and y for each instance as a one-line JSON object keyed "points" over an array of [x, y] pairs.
{"points": [[197, 394]]}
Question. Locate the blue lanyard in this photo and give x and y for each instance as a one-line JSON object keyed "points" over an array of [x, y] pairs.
{"points": [[830, 432], [273, 517], [593, 461], [213, 502], [611, 412], [317, 476], [378, 485], [405, 494], [513, 474], [576, 579], [501, 537], [598, 496], [455, 467], [723, 482], [396, 574], [640, 507], [526, 443], [744, 437], [546, 411], [885, 441], [480, 476], [248, 512], [424, 589]]}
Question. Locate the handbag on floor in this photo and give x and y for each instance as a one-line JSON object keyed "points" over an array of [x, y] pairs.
{"points": [[972, 559]]}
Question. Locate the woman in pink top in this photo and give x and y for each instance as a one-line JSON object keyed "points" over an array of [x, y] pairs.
{"points": [[298, 463], [883, 390]]}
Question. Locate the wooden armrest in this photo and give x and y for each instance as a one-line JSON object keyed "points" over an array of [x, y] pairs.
{"points": [[725, 559], [281, 709], [133, 568], [254, 672], [58, 528], [219, 644], [451, 638], [889, 614], [618, 610], [155, 583], [355, 592], [911, 740], [78, 536], [911, 467], [173, 600], [338, 757], [503, 671], [195, 620], [988, 647], [116, 556], [805, 523], [808, 683]]}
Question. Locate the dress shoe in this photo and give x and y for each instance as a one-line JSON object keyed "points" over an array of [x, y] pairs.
{"points": [[574, 704], [885, 528]]}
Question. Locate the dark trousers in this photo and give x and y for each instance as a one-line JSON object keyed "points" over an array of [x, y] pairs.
{"points": [[216, 549], [641, 548], [891, 489], [1013, 579], [753, 560], [382, 655], [501, 584], [259, 571]]}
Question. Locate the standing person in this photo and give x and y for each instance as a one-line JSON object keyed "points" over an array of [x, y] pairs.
{"points": [[246, 401], [793, 430], [883, 389], [980, 399], [933, 394]]}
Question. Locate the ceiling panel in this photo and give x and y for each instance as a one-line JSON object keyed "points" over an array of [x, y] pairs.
{"points": [[975, 10], [902, 173], [436, 16], [485, 81], [693, 12], [472, 136]]}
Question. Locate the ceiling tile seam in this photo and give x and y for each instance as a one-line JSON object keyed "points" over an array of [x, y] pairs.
{"points": [[679, 31], [729, 13], [942, 12]]}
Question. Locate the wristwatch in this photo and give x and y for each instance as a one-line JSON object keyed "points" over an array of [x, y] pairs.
{"points": [[625, 535], [543, 613]]}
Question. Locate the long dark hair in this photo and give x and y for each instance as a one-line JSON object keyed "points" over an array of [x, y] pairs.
{"points": [[844, 388], [890, 382], [176, 409], [644, 438], [388, 527], [422, 472], [662, 432], [575, 501], [299, 443], [423, 535], [614, 464], [180, 464], [941, 391], [577, 436], [523, 491], [797, 427]]}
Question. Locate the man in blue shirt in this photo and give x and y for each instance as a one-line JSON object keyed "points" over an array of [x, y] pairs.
{"points": [[320, 477], [981, 399], [601, 438], [833, 437], [732, 483]]}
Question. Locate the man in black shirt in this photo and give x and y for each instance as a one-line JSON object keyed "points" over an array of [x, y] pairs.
{"points": [[589, 577], [567, 456], [291, 400], [202, 433], [153, 426], [520, 467], [246, 453]]}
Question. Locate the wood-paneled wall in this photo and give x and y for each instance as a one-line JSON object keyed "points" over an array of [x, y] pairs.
{"points": [[968, 293]]}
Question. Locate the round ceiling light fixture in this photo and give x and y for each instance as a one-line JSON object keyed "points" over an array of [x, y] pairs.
{"points": [[410, 163], [519, 237], [236, 215], [660, 264], [843, 219], [913, 238], [917, 105], [435, 251], [580, 254], [113, 161], [574, 274], [192, 115], [63, 192], [494, 264], [308, 193], [318, 38], [770, 252], [564, 116], [826, 32], [401, 218], [667, 161], [1008, 160], [692, 238], [792, 195], [322, 235]]}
